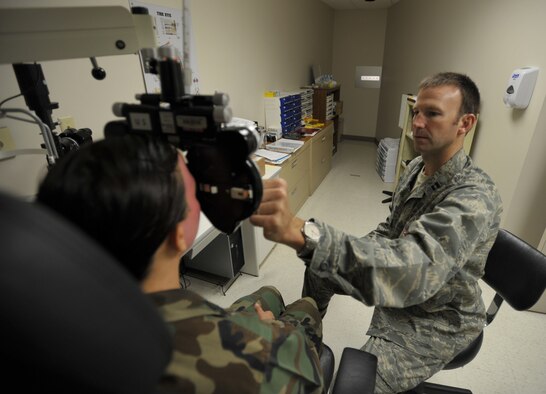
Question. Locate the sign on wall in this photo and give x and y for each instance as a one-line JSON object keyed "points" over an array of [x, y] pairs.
{"points": [[368, 77]]}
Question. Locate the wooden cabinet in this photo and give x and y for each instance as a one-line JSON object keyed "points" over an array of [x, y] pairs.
{"points": [[406, 152], [307, 167], [321, 156], [327, 107], [255, 246], [295, 172]]}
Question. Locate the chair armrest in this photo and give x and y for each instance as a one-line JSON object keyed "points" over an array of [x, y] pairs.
{"points": [[356, 372], [327, 363]]}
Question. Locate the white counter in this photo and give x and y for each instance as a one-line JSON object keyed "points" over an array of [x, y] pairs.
{"points": [[256, 248]]}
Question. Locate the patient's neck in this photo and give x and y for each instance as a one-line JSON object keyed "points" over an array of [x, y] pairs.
{"points": [[163, 273]]}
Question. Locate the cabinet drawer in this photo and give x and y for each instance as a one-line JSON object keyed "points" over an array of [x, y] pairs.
{"points": [[321, 157], [296, 167]]}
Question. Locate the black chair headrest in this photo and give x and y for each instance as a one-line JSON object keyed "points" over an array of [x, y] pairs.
{"points": [[516, 271], [72, 317]]}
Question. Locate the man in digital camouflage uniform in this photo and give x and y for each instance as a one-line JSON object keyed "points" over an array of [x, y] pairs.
{"points": [[136, 197], [420, 268]]}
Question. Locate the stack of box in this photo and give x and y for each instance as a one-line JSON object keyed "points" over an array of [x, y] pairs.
{"points": [[385, 163], [330, 106], [306, 103], [283, 113]]}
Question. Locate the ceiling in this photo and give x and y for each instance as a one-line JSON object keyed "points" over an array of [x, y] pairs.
{"points": [[359, 4]]}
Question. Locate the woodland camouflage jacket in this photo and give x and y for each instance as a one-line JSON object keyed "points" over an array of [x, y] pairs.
{"points": [[218, 350]]}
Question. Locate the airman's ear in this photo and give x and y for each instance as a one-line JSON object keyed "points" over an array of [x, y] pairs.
{"points": [[466, 123]]}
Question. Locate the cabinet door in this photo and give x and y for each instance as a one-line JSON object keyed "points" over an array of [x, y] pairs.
{"points": [[298, 194], [321, 157]]}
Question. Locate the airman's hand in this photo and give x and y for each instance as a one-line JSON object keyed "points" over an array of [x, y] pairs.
{"points": [[276, 218]]}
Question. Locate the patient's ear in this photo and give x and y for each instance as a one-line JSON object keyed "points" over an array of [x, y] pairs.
{"points": [[177, 238], [193, 212]]}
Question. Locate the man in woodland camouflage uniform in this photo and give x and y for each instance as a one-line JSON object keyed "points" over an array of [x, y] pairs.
{"points": [[136, 197], [420, 268]]}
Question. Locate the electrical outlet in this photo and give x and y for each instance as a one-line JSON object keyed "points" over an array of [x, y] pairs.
{"points": [[6, 143], [66, 122]]}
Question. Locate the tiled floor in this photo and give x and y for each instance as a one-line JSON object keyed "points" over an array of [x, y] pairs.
{"points": [[513, 356]]}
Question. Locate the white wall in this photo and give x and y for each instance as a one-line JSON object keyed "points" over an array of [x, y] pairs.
{"points": [[359, 40], [79, 95], [246, 47], [486, 39], [526, 215]]}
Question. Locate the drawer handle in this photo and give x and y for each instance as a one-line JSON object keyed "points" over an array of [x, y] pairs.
{"points": [[294, 163], [323, 139], [294, 191]]}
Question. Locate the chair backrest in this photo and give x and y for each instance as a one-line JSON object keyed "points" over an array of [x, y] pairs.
{"points": [[356, 372], [327, 364], [516, 271], [73, 319]]}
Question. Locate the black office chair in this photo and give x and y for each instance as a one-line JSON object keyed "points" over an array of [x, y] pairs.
{"points": [[327, 363], [356, 372], [517, 272], [72, 319], [514, 269]]}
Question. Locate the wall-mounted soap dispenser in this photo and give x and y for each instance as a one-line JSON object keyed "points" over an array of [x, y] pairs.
{"points": [[520, 87]]}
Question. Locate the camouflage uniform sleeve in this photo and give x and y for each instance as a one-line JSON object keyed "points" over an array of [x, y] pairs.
{"points": [[382, 229], [233, 351], [409, 268], [290, 359]]}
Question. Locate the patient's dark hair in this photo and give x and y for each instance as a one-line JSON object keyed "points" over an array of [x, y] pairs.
{"points": [[125, 192], [470, 93]]}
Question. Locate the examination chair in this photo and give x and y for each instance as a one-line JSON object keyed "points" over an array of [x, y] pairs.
{"points": [[73, 320], [517, 273]]}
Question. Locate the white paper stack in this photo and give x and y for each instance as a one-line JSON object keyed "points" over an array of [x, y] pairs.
{"points": [[385, 163], [285, 145], [272, 157]]}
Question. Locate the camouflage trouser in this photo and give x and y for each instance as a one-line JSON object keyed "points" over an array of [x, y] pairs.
{"points": [[398, 369], [302, 313]]}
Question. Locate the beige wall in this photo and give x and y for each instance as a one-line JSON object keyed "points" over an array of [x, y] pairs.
{"points": [[243, 47], [486, 39], [359, 40], [526, 215], [247, 46], [79, 95]]}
